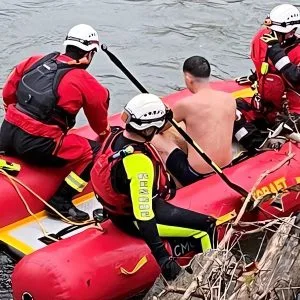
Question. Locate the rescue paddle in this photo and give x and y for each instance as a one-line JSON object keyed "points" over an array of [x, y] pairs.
{"points": [[188, 139]]}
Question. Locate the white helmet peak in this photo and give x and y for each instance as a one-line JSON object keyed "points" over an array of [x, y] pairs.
{"points": [[83, 37], [144, 111], [284, 18]]}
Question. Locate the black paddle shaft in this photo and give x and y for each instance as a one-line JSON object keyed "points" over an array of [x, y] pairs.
{"points": [[188, 139], [119, 64], [206, 158]]}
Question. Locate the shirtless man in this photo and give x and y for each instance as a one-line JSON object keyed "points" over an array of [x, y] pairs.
{"points": [[208, 116]]}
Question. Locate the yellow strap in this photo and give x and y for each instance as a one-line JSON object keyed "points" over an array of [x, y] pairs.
{"points": [[74, 181], [225, 218], [244, 93], [139, 265]]}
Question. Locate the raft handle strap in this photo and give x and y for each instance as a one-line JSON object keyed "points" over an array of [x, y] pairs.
{"points": [[138, 266]]}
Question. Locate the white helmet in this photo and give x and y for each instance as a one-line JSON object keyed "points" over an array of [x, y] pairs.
{"points": [[83, 36], [144, 111], [284, 18]]}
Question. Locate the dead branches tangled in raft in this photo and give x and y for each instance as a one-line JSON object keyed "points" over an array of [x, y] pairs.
{"points": [[227, 273]]}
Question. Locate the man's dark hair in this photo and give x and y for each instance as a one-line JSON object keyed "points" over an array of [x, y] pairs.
{"points": [[75, 52], [197, 66]]}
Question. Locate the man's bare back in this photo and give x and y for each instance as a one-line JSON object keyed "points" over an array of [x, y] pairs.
{"points": [[208, 116]]}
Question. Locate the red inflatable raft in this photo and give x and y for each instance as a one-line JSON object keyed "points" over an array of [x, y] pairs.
{"points": [[96, 265]]}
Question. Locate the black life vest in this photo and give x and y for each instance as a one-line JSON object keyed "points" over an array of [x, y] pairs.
{"points": [[37, 94]]}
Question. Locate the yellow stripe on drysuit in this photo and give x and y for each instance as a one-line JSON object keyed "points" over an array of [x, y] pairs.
{"points": [[11, 241], [74, 181], [174, 231], [140, 171]]}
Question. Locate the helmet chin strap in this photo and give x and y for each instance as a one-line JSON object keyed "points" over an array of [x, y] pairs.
{"points": [[149, 138], [285, 39]]}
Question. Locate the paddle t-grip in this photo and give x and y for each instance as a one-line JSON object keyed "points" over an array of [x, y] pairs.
{"points": [[103, 47]]}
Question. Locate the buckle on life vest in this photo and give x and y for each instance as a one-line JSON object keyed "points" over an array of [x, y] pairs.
{"points": [[9, 166]]}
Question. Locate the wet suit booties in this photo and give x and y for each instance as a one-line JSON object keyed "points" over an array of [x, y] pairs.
{"points": [[62, 202]]}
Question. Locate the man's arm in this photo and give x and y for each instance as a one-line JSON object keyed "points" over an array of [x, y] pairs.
{"points": [[140, 172], [12, 81], [179, 111], [281, 61], [289, 70], [245, 132], [178, 116], [95, 106]]}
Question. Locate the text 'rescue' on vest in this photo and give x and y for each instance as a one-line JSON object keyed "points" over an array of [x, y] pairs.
{"points": [[117, 203], [37, 94]]}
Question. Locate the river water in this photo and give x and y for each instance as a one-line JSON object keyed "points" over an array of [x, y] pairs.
{"points": [[151, 37]]}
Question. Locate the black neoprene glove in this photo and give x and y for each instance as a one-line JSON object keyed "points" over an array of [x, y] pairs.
{"points": [[169, 268], [248, 79], [248, 135], [270, 38]]}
